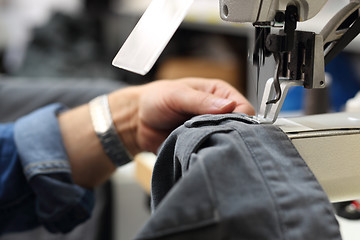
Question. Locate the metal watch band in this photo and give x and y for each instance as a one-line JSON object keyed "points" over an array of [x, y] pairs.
{"points": [[106, 132]]}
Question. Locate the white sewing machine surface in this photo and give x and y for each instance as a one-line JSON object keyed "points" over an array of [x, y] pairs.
{"points": [[330, 145], [322, 122]]}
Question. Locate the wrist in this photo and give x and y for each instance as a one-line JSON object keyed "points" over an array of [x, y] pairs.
{"points": [[124, 106], [106, 132], [89, 164]]}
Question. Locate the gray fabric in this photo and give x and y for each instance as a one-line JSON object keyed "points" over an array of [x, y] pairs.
{"points": [[222, 177], [20, 96]]}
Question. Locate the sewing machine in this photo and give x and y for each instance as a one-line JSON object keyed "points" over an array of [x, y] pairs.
{"points": [[330, 143], [300, 56]]}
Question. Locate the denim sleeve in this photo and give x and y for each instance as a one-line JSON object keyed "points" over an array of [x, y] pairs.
{"points": [[59, 204], [16, 198]]}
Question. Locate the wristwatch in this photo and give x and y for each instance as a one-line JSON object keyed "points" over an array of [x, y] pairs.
{"points": [[106, 131]]}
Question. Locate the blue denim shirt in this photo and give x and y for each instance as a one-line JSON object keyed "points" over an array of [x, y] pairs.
{"points": [[36, 187]]}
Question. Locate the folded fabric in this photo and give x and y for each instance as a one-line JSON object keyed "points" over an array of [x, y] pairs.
{"points": [[57, 203], [226, 177]]}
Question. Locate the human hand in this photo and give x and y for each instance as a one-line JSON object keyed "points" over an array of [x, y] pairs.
{"points": [[145, 115]]}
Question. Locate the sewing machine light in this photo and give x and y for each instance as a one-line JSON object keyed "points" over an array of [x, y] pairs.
{"points": [[151, 34]]}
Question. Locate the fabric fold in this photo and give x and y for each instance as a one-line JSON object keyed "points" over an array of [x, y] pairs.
{"points": [[60, 204], [244, 180]]}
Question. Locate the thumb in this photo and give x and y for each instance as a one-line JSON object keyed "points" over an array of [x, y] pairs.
{"points": [[198, 102]]}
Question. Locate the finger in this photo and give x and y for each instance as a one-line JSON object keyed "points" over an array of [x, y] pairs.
{"points": [[246, 108], [197, 102], [223, 90]]}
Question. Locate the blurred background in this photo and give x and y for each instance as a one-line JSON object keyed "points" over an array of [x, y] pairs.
{"points": [[73, 42]]}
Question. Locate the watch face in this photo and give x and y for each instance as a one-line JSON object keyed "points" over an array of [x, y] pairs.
{"points": [[100, 114], [106, 132]]}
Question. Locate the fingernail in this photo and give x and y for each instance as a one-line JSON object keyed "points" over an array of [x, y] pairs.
{"points": [[221, 102]]}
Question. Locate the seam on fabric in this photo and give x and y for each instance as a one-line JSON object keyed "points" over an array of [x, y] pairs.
{"points": [[208, 120], [46, 171], [306, 167], [282, 227], [201, 139], [303, 163], [48, 167], [47, 163], [210, 191], [33, 172]]}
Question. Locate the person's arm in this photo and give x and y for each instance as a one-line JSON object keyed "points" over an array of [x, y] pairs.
{"points": [[10, 168], [89, 164], [12, 181], [143, 116], [57, 157]]}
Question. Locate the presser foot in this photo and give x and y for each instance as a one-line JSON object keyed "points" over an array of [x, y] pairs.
{"points": [[269, 112]]}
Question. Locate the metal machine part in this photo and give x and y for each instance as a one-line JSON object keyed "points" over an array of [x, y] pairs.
{"points": [[300, 56], [303, 66], [341, 30], [299, 61], [265, 10], [268, 113]]}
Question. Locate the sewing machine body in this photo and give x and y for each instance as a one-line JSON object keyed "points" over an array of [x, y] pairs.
{"points": [[330, 145], [265, 10]]}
